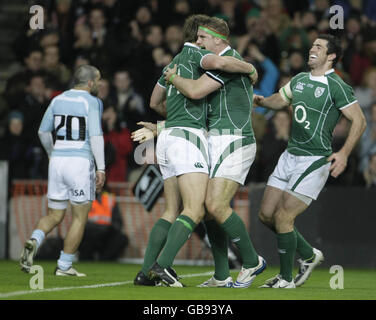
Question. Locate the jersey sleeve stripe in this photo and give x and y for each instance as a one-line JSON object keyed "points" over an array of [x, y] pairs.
{"points": [[348, 105], [161, 85], [208, 54], [344, 93], [209, 74]]}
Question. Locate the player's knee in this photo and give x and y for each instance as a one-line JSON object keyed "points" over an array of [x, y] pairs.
{"points": [[283, 217], [265, 218], [214, 207], [56, 217]]}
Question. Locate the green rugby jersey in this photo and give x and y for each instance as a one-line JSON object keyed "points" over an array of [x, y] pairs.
{"points": [[230, 107], [317, 102], [182, 111]]}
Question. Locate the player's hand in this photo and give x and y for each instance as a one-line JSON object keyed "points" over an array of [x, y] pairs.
{"points": [[258, 100], [339, 163], [149, 125], [142, 135], [100, 178], [169, 72], [254, 77]]}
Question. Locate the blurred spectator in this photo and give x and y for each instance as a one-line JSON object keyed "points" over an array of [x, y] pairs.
{"points": [[154, 35], [127, 102], [276, 15], [352, 40], [97, 21], [320, 9], [181, 10], [274, 141], [366, 93], [63, 17], [15, 147], [103, 41], [33, 106], [103, 238], [104, 91], [369, 9], [308, 19], [17, 83], [368, 139], [369, 173], [50, 37], [83, 39], [364, 59], [80, 60], [53, 66], [259, 33], [119, 146], [231, 11], [295, 63], [294, 36], [142, 19], [267, 82], [173, 39]]}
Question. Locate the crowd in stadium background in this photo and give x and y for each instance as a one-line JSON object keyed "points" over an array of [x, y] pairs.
{"points": [[131, 41]]}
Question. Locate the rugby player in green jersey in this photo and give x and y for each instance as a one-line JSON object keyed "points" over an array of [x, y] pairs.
{"points": [[182, 156], [318, 99], [232, 150]]}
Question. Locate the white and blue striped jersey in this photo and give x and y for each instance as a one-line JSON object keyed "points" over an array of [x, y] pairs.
{"points": [[75, 116]]}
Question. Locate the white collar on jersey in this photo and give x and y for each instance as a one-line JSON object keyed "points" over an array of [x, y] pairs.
{"points": [[78, 90], [190, 44], [224, 50], [321, 79]]}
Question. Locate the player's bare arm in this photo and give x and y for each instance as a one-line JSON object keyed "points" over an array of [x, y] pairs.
{"points": [[227, 64], [358, 125], [97, 147], [193, 89], [158, 100], [275, 101]]}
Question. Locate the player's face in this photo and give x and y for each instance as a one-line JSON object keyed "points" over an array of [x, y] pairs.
{"points": [[205, 40], [318, 54], [95, 83]]}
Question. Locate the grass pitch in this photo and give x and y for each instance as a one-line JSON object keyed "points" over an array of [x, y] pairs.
{"points": [[114, 281]]}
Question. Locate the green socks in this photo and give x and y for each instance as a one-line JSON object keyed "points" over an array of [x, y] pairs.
{"points": [[235, 228], [178, 235], [219, 246], [157, 240], [286, 248], [304, 249]]}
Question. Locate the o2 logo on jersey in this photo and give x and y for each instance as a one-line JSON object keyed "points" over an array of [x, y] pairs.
{"points": [[67, 123], [300, 115]]}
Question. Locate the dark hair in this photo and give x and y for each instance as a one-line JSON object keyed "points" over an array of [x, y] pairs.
{"points": [[83, 74], [219, 25], [333, 45], [191, 26]]}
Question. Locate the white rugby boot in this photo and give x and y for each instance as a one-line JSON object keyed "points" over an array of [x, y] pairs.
{"points": [[278, 283], [306, 267], [70, 272], [213, 282], [246, 276], [27, 256]]}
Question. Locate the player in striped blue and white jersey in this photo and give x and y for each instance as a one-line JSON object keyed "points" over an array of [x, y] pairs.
{"points": [[74, 117]]}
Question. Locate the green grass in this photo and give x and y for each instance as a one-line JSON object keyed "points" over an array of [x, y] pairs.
{"points": [[359, 284]]}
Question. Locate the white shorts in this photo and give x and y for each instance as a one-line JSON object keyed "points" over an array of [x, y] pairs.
{"points": [[71, 178], [305, 175], [230, 157], [182, 150]]}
